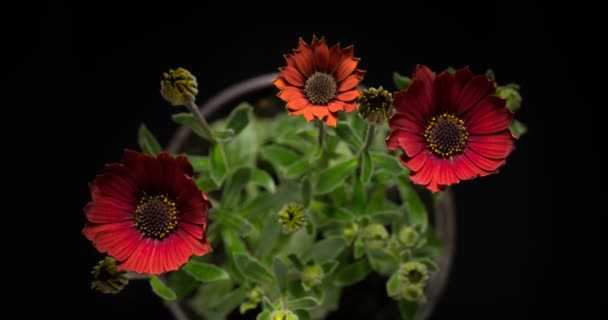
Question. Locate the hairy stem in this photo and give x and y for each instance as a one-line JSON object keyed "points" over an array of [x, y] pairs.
{"points": [[200, 119], [369, 139]]}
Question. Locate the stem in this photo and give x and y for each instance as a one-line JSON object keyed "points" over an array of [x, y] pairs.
{"points": [[369, 139], [321, 139], [200, 119]]}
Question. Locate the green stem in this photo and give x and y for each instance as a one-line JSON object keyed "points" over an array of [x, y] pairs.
{"points": [[200, 119], [369, 139], [321, 139]]}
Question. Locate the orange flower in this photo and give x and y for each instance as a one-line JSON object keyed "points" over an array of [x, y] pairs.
{"points": [[319, 81]]}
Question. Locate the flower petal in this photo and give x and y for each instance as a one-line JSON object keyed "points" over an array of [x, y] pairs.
{"points": [[280, 82], [426, 173], [350, 106], [308, 115], [196, 231], [417, 162], [335, 58], [92, 229], [346, 68], [349, 83], [403, 121], [416, 101], [196, 215], [482, 162], [424, 74], [108, 212], [293, 76], [332, 119], [411, 144], [297, 103], [119, 244], [322, 55], [465, 169], [442, 87], [497, 120], [478, 88], [319, 112], [445, 174], [305, 63], [494, 146], [291, 93], [335, 106], [461, 78], [348, 95], [190, 196], [116, 187]]}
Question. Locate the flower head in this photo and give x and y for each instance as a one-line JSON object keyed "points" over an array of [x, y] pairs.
{"points": [[106, 278], [292, 217], [450, 127], [413, 273], [375, 236], [318, 81], [148, 213], [375, 105], [409, 236], [178, 87]]}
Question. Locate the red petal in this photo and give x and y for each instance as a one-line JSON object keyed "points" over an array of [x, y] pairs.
{"points": [[199, 246], [403, 121], [185, 165], [141, 256], [503, 137], [197, 215], [153, 174], [170, 173], [168, 254], [346, 68], [483, 108], [190, 196], [497, 120], [291, 93], [332, 119], [322, 55], [91, 230], [182, 249], [106, 212], [461, 78], [120, 244], [335, 58], [445, 174], [483, 162], [293, 76], [196, 231], [442, 87], [417, 101], [280, 83], [492, 151], [350, 107], [411, 144], [348, 95], [349, 83], [426, 173], [478, 88], [424, 74], [348, 52], [465, 169], [131, 158], [417, 162], [305, 63], [116, 187], [319, 111], [335, 106]]}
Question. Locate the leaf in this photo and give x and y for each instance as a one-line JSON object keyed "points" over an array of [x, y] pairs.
{"points": [[147, 142], [387, 217], [161, 289], [408, 309], [393, 285], [329, 267], [234, 186], [302, 314], [232, 242], [401, 82], [297, 169], [518, 128], [229, 302], [367, 168], [326, 249], [217, 163], [306, 192], [490, 74], [262, 179], [387, 162], [187, 119], [279, 155], [335, 175], [181, 283], [348, 135], [280, 272], [359, 248], [199, 163], [247, 305], [239, 117], [205, 183], [359, 198], [236, 222], [223, 136], [352, 273], [416, 211], [264, 315], [253, 269], [205, 272], [303, 303], [429, 263]]}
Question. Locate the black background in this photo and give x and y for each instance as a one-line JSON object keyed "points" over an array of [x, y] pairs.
{"points": [[105, 65]]}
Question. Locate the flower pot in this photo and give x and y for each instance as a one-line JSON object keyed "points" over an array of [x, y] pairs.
{"points": [[364, 300]]}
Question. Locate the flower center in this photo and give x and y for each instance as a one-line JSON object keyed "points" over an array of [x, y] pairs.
{"points": [[414, 276], [446, 135], [320, 88], [156, 216]]}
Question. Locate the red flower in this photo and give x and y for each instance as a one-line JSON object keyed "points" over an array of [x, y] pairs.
{"points": [[451, 127], [147, 213], [318, 81]]}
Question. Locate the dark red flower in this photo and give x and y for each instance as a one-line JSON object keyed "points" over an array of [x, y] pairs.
{"points": [[148, 213], [451, 127], [319, 81]]}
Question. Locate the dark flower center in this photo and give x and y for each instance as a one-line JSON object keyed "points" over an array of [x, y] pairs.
{"points": [[414, 276], [446, 135], [320, 88], [156, 216]]}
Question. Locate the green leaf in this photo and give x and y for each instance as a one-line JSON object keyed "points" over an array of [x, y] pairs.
{"points": [[302, 314], [303, 303], [387, 162], [490, 74], [205, 183], [382, 261], [234, 186], [236, 222], [229, 302], [367, 168], [239, 117], [329, 267], [253, 269], [247, 305], [429, 263], [510, 92], [387, 217], [205, 272], [279, 155], [416, 211], [408, 309], [187, 119], [352, 273], [262, 179], [335, 175], [518, 128], [297, 168], [306, 192], [199, 163], [401, 82], [147, 142], [280, 272], [326, 249], [359, 248], [348, 135], [217, 163], [161, 289], [393, 285], [223, 136], [232, 242], [181, 283], [359, 198], [264, 315]]}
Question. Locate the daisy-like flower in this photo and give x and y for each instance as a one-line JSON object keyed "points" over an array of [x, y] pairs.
{"points": [[450, 127], [318, 81], [148, 213]]}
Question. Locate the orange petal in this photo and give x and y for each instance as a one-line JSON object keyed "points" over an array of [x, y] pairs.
{"points": [[350, 107], [348, 95], [319, 111], [280, 83], [335, 106], [346, 68], [322, 55], [305, 62], [292, 76], [308, 114], [335, 58], [349, 51], [297, 104], [291, 93], [350, 82], [331, 119], [296, 112]]}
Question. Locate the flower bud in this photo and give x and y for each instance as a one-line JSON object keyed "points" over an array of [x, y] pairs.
{"points": [[292, 217], [409, 236], [375, 105], [375, 236], [106, 278], [178, 87]]}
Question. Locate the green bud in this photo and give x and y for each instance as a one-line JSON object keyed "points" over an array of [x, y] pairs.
{"points": [[413, 273], [350, 233], [106, 278], [312, 275], [413, 293], [375, 236], [283, 315], [292, 217], [375, 105], [409, 236], [178, 87], [511, 93]]}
